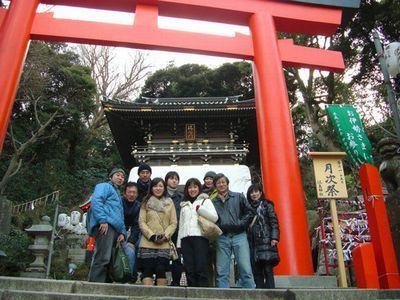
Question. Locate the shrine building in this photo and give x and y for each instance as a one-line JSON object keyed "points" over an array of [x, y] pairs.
{"points": [[184, 131]]}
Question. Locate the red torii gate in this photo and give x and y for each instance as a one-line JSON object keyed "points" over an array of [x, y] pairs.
{"points": [[280, 168]]}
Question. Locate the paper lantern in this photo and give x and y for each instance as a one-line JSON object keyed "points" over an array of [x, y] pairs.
{"points": [[392, 56], [75, 217], [62, 220]]}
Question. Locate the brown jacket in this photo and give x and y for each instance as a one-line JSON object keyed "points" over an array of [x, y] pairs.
{"points": [[157, 216]]}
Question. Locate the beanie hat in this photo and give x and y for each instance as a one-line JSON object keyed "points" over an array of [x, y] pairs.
{"points": [[116, 170], [143, 166], [211, 174]]}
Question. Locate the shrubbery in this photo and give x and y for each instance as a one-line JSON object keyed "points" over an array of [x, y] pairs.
{"points": [[15, 245]]}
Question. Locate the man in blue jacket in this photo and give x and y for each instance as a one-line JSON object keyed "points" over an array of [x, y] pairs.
{"points": [[234, 216], [106, 223]]}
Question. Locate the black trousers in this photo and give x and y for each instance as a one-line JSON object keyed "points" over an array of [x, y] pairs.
{"points": [[195, 260], [176, 272], [263, 275]]}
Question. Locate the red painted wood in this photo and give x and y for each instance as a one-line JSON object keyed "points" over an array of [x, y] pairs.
{"points": [[14, 37], [379, 228], [279, 162], [365, 266]]}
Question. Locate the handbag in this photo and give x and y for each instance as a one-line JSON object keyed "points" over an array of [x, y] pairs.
{"points": [[273, 258], [208, 229], [121, 271], [172, 250]]}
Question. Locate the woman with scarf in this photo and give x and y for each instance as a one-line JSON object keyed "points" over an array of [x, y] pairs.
{"points": [[193, 245], [263, 237], [157, 220]]}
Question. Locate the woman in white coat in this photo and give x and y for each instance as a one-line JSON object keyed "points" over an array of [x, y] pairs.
{"points": [[193, 245]]}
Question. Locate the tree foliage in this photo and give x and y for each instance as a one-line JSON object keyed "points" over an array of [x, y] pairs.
{"points": [[192, 80], [15, 245], [48, 134]]}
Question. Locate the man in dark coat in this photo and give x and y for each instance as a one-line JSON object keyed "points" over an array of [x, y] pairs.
{"points": [[234, 216], [131, 220], [143, 182]]}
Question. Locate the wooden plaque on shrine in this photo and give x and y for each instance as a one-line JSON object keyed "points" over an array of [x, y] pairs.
{"points": [[190, 132], [329, 174]]}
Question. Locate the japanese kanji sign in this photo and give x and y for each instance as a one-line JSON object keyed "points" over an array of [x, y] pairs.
{"points": [[329, 175], [350, 131]]}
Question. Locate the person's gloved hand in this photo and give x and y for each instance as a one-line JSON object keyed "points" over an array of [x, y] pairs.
{"points": [[160, 239]]}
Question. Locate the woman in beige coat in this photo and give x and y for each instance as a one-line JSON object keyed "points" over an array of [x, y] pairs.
{"points": [[157, 221]]}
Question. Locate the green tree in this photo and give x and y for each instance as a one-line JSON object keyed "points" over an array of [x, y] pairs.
{"points": [[46, 133], [192, 80]]}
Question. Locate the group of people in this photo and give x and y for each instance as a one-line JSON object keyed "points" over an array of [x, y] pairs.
{"points": [[159, 219]]}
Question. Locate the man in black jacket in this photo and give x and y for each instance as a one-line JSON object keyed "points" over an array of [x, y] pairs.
{"points": [[131, 220], [234, 216], [143, 182]]}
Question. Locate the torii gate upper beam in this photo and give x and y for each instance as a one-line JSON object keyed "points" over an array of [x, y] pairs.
{"points": [[290, 16]]}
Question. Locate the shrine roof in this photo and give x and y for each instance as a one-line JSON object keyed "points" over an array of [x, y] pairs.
{"points": [[186, 105]]}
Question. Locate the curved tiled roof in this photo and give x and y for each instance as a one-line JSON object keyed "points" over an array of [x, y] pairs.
{"points": [[163, 105]]}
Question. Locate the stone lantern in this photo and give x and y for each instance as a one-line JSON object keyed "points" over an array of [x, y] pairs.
{"points": [[40, 248]]}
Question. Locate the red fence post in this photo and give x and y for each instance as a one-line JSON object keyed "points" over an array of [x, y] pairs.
{"points": [[365, 266], [381, 236]]}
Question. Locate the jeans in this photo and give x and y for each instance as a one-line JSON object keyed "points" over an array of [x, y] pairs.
{"points": [[131, 254], [238, 244]]}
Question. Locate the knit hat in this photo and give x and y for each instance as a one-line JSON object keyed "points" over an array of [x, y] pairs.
{"points": [[211, 174], [143, 166], [116, 170]]}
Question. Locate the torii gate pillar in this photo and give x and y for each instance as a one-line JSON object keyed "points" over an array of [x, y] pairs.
{"points": [[279, 162], [15, 33]]}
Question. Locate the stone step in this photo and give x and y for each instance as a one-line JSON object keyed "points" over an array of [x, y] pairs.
{"points": [[20, 288], [305, 282], [23, 295]]}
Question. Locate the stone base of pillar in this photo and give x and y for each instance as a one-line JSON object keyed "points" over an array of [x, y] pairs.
{"points": [[33, 274]]}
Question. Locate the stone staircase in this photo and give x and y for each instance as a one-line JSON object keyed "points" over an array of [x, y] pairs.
{"points": [[17, 288]]}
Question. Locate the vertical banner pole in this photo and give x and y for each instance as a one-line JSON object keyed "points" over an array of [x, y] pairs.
{"points": [[338, 242]]}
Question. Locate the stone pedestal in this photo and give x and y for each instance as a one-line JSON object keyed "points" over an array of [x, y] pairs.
{"points": [[393, 212], [76, 247], [40, 248]]}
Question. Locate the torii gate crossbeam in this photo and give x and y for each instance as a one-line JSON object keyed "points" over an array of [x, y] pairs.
{"points": [[278, 156]]}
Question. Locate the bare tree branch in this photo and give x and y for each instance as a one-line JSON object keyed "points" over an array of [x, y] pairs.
{"points": [[15, 162], [111, 82]]}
